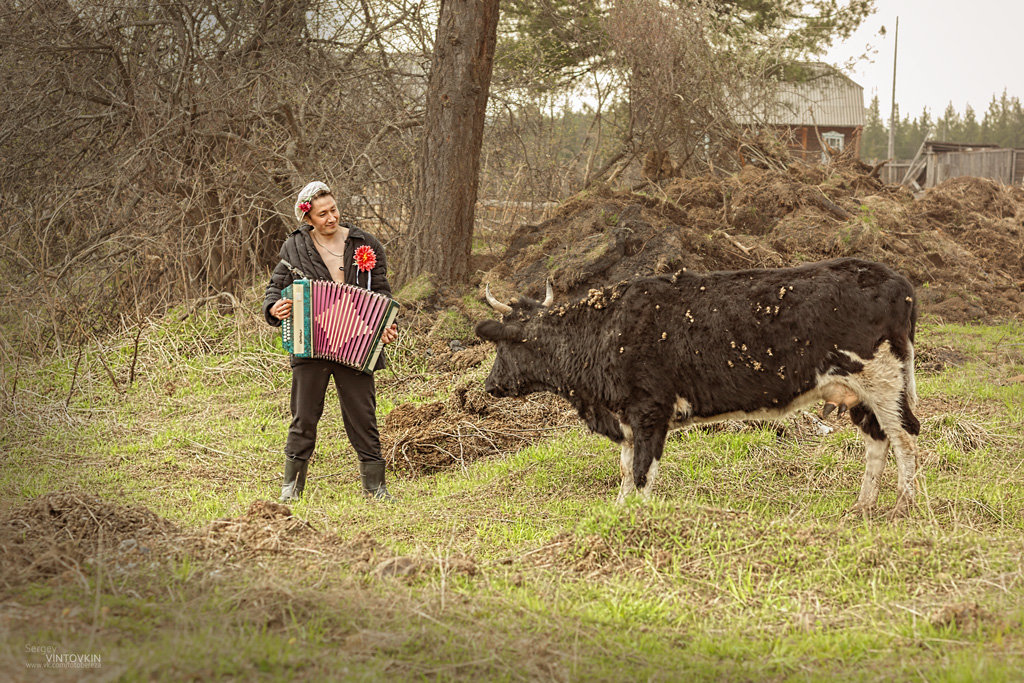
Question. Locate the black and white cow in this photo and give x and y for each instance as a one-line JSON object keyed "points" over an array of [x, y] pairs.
{"points": [[643, 357]]}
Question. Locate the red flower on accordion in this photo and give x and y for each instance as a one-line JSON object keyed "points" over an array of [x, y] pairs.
{"points": [[304, 207], [366, 259]]}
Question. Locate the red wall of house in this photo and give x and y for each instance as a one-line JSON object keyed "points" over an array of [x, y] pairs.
{"points": [[804, 140]]}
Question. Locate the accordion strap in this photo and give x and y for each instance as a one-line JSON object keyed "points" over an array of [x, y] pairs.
{"points": [[295, 271]]}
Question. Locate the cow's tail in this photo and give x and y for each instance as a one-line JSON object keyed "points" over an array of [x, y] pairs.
{"points": [[909, 382], [908, 397]]}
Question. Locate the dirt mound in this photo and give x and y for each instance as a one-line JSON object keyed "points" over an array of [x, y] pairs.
{"points": [[271, 528], [58, 533], [267, 527], [467, 426], [961, 243], [592, 557]]}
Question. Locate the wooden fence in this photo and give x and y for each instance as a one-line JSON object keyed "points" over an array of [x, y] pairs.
{"points": [[1000, 164], [997, 164]]}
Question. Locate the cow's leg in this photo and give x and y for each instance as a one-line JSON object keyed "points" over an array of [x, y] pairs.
{"points": [[874, 462], [885, 385], [905, 441], [904, 445], [649, 432], [905, 448], [897, 420], [876, 445], [652, 474], [890, 416], [626, 465]]}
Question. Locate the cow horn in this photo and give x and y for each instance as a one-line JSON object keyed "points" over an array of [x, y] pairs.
{"points": [[549, 297], [504, 309]]}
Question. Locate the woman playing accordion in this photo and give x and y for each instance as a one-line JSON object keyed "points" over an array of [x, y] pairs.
{"points": [[323, 248]]}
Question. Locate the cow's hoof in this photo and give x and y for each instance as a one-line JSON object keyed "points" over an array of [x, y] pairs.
{"points": [[827, 409], [861, 510], [902, 509]]}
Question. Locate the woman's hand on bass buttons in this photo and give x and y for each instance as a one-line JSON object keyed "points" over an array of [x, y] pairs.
{"points": [[281, 309]]}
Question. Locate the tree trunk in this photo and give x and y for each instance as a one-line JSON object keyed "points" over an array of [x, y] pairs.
{"points": [[441, 227]]}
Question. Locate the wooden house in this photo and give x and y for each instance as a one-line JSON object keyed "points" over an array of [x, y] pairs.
{"points": [[823, 107]]}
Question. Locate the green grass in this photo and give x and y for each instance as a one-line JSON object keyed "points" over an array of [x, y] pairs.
{"points": [[743, 566]]}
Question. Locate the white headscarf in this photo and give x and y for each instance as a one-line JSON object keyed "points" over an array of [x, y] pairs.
{"points": [[306, 194]]}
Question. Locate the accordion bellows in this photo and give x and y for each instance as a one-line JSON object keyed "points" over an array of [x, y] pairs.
{"points": [[336, 322]]}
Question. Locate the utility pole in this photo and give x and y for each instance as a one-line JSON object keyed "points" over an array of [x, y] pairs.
{"points": [[892, 110]]}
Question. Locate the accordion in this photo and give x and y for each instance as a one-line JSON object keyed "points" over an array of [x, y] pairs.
{"points": [[336, 322]]}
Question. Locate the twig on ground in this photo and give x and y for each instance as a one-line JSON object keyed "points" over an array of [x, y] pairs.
{"points": [[821, 201], [735, 242], [135, 357], [74, 378], [110, 373]]}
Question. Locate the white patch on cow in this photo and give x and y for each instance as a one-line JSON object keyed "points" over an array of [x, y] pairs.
{"points": [[799, 403], [626, 465], [879, 385], [908, 371], [681, 412], [874, 459], [627, 431], [652, 474]]}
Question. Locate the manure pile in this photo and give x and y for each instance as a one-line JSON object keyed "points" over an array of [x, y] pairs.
{"points": [[961, 243], [469, 425]]}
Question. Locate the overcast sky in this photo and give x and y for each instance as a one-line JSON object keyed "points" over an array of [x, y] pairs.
{"points": [[959, 51]]}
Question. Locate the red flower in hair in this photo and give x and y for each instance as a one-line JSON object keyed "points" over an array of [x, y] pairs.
{"points": [[304, 207], [366, 259]]}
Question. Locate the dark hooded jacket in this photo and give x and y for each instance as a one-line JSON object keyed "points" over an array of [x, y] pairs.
{"points": [[299, 251]]}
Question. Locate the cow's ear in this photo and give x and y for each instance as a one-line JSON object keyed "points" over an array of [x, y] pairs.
{"points": [[492, 330]]}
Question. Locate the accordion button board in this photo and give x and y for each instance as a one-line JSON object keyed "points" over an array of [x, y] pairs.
{"points": [[337, 322]]}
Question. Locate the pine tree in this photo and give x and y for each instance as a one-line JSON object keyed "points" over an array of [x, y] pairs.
{"points": [[1016, 123], [971, 130], [875, 139], [905, 147], [1001, 124], [949, 127], [798, 29], [553, 42], [923, 128]]}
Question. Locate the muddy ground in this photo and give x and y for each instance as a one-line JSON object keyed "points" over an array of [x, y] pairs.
{"points": [[961, 243]]}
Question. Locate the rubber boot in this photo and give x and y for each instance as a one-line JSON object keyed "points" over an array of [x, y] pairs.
{"points": [[372, 475], [294, 479]]}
